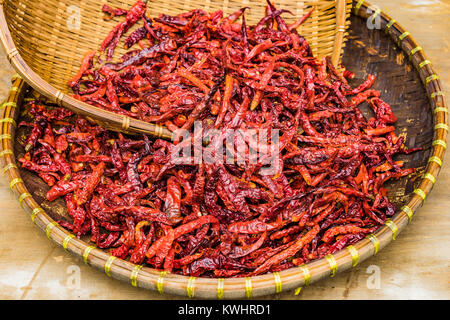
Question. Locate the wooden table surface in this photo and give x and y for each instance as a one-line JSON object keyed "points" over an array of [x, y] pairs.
{"points": [[415, 266]]}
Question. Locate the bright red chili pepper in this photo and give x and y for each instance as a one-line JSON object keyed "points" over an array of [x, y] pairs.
{"points": [[86, 64], [289, 252], [85, 189]]}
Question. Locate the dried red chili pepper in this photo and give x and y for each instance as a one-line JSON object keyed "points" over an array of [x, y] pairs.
{"points": [[252, 227], [289, 252], [133, 15], [172, 202], [77, 213], [229, 85], [113, 12], [363, 86], [86, 64], [330, 233], [85, 190], [219, 219]]}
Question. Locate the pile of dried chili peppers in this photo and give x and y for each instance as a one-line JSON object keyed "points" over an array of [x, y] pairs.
{"points": [[219, 219]]}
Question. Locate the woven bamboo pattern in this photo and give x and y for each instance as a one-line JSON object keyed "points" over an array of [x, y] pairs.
{"points": [[231, 288], [46, 40]]}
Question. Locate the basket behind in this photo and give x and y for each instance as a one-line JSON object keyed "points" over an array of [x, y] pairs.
{"points": [[53, 36]]}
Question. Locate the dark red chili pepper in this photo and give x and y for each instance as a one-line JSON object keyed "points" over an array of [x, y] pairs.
{"points": [[186, 260], [35, 134], [252, 227], [133, 15], [139, 251], [202, 105], [330, 233], [76, 212], [363, 96], [289, 252], [297, 23], [29, 165], [172, 203], [382, 111], [259, 48], [135, 37], [238, 252], [86, 64], [61, 188], [113, 12], [229, 85], [362, 87], [63, 165], [85, 190]]}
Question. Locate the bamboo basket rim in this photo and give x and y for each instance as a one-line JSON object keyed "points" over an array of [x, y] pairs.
{"points": [[233, 288], [116, 121]]}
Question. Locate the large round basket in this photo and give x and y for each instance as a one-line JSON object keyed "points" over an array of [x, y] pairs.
{"points": [[406, 80], [46, 40]]}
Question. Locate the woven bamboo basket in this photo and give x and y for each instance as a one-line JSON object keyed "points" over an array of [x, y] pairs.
{"points": [[45, 41], [410, 85]]}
